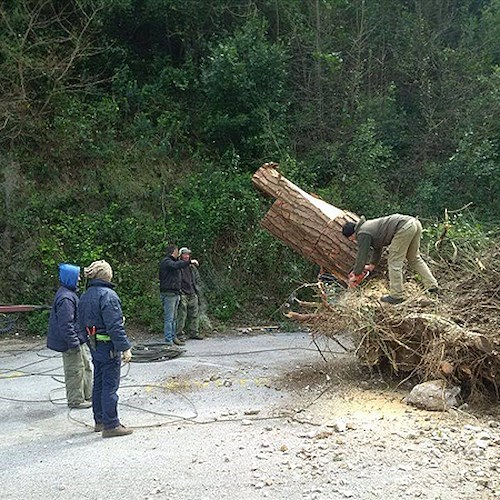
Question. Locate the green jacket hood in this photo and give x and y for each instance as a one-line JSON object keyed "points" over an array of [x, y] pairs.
{"points": [[360, 222]]}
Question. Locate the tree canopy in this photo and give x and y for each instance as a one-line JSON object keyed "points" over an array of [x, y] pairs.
{"points": [[127, 124]]}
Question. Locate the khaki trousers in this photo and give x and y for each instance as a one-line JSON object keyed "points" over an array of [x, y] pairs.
{"points": [[77, 375], [406, 243], [188, 316]]}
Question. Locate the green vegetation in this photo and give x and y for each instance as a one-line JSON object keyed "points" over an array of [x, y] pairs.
{"points": [[127, 124]]}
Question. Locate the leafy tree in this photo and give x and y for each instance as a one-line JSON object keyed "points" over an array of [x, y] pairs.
{"points": [[244, 82], [125, 124]]}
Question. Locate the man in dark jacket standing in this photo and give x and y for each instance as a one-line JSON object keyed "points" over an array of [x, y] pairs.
{"points": [[170, 289], [66, 336], [401, 233], [100, 314]]}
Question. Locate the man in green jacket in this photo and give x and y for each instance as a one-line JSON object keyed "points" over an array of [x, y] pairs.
{"points": [[401, 233], [188, 311]]}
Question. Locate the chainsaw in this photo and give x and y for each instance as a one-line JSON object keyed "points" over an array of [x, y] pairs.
{"points": [[356, 279]]}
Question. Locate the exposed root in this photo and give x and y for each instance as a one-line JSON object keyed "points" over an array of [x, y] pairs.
{"points": [[455, 336]]}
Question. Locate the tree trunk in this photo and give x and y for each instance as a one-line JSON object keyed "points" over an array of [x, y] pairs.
{"points": [[306, 224]]}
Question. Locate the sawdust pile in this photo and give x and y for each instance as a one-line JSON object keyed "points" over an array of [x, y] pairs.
{"points": [[455, 336]]}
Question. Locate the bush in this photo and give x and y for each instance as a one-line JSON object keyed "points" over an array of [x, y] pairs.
{"points": [[245, 107], [363, 176], [37, 322]]}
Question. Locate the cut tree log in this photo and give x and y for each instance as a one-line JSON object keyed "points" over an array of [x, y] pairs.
{"points": [[307, 224]]}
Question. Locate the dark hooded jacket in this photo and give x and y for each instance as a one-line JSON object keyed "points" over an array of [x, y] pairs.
{"points": [[170, 274], [64, 331], [190, 280], [100, 306]]}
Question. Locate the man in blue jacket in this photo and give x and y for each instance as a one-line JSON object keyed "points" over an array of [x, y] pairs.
{"points": [[100, 314], [66, 336]]}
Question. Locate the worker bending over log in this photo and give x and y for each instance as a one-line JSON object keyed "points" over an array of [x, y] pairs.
{"points": [[401, 233]]}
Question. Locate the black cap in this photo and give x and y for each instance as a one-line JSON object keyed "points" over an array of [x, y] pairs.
{"points": [[348, 229]]}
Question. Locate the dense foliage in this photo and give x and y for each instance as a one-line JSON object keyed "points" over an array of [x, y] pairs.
{"points": [[127, 124]]}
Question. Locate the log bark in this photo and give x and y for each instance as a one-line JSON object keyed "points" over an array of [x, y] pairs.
{"points": [[307, 224]]}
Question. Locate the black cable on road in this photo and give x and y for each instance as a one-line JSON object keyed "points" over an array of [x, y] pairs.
{"points": [[154, 351]]}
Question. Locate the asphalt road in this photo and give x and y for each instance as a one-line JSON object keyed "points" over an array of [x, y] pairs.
{"points": [[243, 416], [191, 415]]}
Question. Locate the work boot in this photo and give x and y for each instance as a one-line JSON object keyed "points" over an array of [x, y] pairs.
{"points": [[80, 406], [389, 299], [98, 427], [121, 430], [182, 338], [197, 337], [178, 341]]}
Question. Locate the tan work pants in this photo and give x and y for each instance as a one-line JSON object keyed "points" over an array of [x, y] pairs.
{"points": [[406, 243], [188, 316], [77, 375]]}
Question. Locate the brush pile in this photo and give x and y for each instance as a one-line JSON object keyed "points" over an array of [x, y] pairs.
{"points": [[455, 336]]}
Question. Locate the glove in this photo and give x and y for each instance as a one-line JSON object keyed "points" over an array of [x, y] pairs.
{"points": [[369, 267], [127, 355]]}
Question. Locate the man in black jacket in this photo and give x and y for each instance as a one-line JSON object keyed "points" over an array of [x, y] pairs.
{"points": [[170, 289]]}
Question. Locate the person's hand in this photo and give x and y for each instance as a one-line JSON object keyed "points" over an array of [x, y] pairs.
{"points": [[127, 355], [351, 282], [369, 267], [195, 262]]}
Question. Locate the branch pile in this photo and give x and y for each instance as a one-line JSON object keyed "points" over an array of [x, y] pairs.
{"points": [[456, 337]]}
